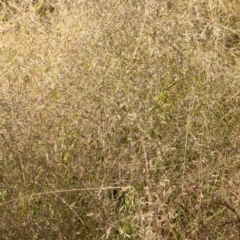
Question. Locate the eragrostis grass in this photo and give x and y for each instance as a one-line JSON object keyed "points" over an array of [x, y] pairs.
{"points": [[119, 119]]}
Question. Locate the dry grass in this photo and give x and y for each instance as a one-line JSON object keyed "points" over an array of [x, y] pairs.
{"points": [[120, 119]]}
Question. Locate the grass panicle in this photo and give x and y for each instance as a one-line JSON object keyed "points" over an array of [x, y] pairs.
{"points": [[119, 119]]}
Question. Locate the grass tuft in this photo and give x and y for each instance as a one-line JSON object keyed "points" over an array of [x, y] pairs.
{"points": [[119, 119]]}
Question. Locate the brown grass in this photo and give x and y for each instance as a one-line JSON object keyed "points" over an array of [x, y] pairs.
{"points": [[120, 119]]}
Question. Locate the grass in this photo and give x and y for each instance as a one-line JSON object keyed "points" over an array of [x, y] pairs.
{"points": [[119, 119]]}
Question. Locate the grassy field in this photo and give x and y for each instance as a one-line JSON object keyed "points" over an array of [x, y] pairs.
{"points": [[120, 119]]}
